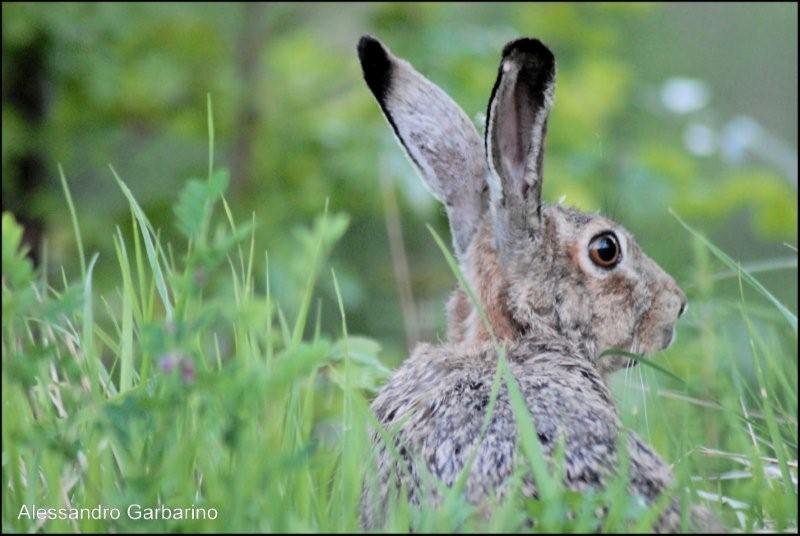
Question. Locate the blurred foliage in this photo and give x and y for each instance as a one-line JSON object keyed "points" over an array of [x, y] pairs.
{"points": [[127, 84]]}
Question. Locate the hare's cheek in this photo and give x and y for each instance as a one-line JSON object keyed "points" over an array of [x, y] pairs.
{"points": [[613, 328]]}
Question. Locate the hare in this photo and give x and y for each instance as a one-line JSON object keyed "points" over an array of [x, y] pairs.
{"points": [[558, 287]]}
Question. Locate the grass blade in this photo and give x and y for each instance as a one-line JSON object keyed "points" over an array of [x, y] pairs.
{"points": [[644, 361], [87, 342], [790, 317], [74, 217], [152, 255]]}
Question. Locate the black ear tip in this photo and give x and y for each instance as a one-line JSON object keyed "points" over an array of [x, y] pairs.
{"points": [[371, 52], [375, 63], [527, 47]]}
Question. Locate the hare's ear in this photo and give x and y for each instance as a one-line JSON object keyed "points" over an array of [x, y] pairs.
{"points": [[437, 135], [516, 124]]}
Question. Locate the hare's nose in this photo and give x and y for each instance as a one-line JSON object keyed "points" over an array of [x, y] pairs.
{"points": [[683, 303], [678, 300], [684, 306]]}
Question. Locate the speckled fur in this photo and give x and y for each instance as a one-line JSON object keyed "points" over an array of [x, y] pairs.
{"points": [[552, 309]]}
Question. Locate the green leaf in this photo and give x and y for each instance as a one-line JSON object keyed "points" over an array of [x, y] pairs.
{"points": [[190, 208], [196, 201], [17, 267], [218, 184]]}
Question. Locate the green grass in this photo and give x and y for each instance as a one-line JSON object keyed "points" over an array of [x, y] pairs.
{"points": [[188, 384]]}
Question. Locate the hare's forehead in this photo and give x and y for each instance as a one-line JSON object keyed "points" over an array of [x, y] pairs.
{"points": [[573, 225]]}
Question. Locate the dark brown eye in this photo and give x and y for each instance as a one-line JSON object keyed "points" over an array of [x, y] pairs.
{"points": [[604, 250]]}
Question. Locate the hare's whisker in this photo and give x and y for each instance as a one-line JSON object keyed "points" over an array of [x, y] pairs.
{"points": [[644, 403], [626, 385]]}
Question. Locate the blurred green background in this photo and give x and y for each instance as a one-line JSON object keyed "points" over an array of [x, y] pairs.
{"points": [[692, 107]]}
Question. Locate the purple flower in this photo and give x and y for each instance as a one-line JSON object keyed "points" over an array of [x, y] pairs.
{"points": [[168, 362], [176, 360], [187, 370]]}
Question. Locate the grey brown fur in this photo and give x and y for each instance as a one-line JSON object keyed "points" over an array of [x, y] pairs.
{"points": [[552, 308]]}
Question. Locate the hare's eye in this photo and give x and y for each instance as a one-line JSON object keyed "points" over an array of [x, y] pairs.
{"points": [[604, 250]]}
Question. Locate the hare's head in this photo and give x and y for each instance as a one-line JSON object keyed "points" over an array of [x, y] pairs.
{"points": [[535, 268]]}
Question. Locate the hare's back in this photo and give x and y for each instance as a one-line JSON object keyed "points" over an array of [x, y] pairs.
{"points": [[440, 401]]}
